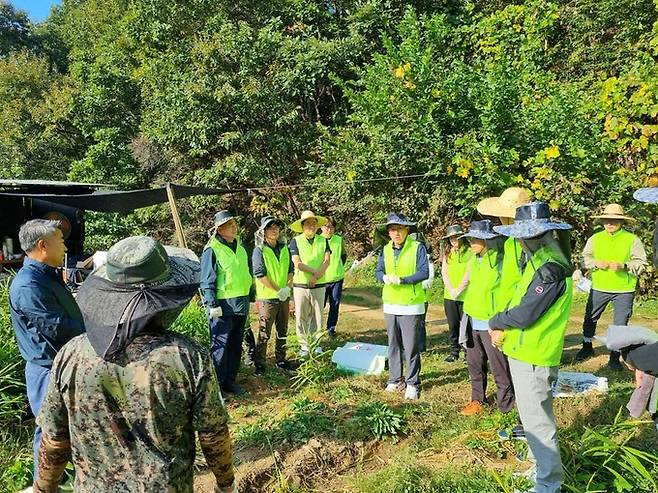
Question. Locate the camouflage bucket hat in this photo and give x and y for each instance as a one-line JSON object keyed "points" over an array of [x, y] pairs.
{"points": [[141, 260]]}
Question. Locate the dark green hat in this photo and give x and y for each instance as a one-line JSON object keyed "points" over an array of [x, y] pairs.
{"points": [[143, 260], [454, 230]]}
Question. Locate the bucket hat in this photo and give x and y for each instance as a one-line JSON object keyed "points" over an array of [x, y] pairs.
{"points": [[395, 218], [482, 230], [223, 217], [453, 230], [505, 205], [614, 211], [297, 226], [531, 220], [142, 288], [265, 221]]}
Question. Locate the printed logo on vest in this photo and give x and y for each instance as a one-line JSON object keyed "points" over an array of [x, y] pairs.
{"points": [[539, 289]]}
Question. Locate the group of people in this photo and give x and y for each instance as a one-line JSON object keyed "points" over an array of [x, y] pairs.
{"points": [[310, 269], [123, 397], [508, 292]]}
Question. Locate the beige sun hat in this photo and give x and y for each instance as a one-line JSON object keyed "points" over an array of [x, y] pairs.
{"points": [[297, 225], [614, 211], [506, 204]]}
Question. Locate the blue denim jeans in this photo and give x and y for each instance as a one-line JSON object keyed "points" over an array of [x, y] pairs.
{"points": [[333, 294], [36, 381]]}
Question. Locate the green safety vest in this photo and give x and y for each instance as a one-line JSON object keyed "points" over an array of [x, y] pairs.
{"points": [[541, 343], [482, 298], [511, 273], [311, 254], [613, 248], [233, 277], [403, 266], [336, 270], [277, 272], [457, 264]]}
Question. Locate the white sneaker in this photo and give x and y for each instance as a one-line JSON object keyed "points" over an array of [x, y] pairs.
{"points": [[411, 393], [395, 387], [303, 353], [318, 350]]}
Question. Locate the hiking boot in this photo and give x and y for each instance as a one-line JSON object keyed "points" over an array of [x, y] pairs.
{"points": [[332, 333], [587, 351], [451, 358], [613, 362], [395, 387], [411, 393], [472, 408], [260, 369]]}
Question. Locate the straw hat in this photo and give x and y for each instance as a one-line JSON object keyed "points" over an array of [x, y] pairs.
{"points": [[614, 211], [297, 225], [506, 204]]}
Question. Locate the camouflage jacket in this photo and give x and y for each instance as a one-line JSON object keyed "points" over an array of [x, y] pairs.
{"points": [[131, 422]]}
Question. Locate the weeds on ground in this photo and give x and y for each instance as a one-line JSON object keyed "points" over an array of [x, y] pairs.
{"points": [[602, 458], [406, 475], [380, 420]]}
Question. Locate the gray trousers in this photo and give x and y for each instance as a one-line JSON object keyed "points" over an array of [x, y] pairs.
{"points": [[308, 313], [597, 303], [403, 342], [534, 400]]}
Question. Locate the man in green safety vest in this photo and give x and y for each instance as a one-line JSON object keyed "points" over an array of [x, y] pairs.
{"points": [[504, 208], [311, 255], [402, 267], [616, 258], [531, 334], [334, 275], [225, 283], [273, 271]]}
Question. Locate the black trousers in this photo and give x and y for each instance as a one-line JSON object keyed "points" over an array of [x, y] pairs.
{"points": [[454, 313]]}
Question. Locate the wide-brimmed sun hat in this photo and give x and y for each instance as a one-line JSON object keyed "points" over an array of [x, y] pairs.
{"points": [[482, 230], [142, 281], [531, 220], [298, 227], [506, 204], [266, 221], [614, 211], [222, 217], [649, 195], [399, 219], [453, 230]]}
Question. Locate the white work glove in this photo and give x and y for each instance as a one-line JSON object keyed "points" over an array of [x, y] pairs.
{"points": [[215, 312], [283, 293], [227, 489], [427, 283], [391, 279]]}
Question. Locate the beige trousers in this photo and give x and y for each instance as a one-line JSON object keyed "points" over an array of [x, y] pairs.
{"points": [[308, 313]]}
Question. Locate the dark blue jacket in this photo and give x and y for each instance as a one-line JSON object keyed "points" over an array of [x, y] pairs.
{"points": [[43, 312]]}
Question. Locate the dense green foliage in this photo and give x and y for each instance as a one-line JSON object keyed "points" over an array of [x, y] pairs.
{"points": [[475, 96]]}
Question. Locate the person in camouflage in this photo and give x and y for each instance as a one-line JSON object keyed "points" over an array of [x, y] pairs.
{"points": [[126, 398]]}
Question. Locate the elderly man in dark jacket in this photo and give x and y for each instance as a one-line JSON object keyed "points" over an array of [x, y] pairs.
{"points": [[43, 312]]}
